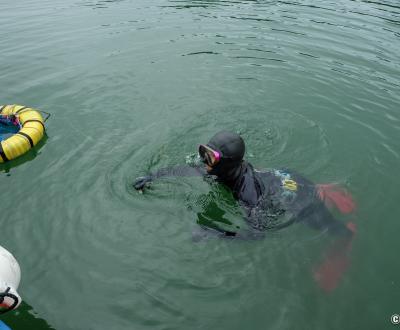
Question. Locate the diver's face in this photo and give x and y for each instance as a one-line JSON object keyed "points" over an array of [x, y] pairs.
{"points": [[209, 156]]}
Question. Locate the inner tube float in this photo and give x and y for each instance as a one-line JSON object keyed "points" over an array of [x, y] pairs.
{"points": [[10, 275], [31, 130]]}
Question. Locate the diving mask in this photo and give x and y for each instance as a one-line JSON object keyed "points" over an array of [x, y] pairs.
{"points": [[208, 155]]}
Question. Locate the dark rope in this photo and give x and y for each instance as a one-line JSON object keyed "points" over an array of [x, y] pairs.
{"points": [[48, 114], [10, 295], [28, 109]]}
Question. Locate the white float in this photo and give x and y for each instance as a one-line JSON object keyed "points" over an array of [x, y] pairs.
{"points": [[10, 275]]}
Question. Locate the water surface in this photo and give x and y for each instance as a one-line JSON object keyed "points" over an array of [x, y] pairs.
{"points": [[134, 86]]}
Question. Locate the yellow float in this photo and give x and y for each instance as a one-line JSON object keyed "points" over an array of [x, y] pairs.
{"points": [[31, 131]]}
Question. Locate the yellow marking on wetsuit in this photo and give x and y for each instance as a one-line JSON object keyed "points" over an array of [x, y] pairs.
{"points": [[290, 184]]}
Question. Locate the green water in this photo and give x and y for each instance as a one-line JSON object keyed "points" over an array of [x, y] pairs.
{"points": [[136, 85]]}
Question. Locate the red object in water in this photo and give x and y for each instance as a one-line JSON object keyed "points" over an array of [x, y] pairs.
{"points": [[352, 226], [329, 273], [333, 195]]}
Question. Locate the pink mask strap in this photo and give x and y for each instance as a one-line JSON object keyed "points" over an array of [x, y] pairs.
{"points": [[217, 155]]}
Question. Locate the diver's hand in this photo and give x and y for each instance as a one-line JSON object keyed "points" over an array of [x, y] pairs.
{"points": [[141, 182]]}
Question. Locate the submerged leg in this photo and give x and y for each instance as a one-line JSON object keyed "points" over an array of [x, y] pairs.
{"points": [[336, 259], [318, 217]]}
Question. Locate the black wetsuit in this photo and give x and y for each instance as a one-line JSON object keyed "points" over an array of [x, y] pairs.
{"points": [[271, 199]]}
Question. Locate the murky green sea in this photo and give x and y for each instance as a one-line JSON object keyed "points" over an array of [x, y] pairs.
{"points": [[136, 85]]}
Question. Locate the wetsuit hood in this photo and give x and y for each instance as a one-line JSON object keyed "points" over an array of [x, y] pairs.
{"points": [[231, 146]]}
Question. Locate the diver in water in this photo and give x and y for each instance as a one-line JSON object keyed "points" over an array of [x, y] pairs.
{"points": [[266, 196], [271, 199]]}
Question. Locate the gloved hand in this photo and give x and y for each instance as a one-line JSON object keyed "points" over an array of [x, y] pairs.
{"points": [[141, 182]]}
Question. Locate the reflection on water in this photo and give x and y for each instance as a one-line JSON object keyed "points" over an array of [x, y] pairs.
{"points": [[27, 157], [25, 318], [217, 210]]}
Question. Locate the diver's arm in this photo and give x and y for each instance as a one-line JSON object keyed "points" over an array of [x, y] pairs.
{"points": [[179, 170]]}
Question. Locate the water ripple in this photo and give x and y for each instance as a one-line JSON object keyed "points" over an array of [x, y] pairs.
{"points": [[134, 86]]}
